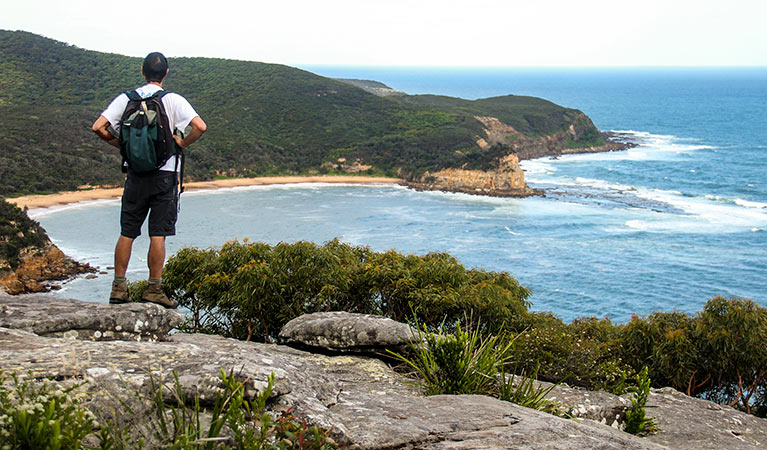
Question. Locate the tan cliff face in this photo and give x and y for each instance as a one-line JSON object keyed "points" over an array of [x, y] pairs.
{"points": [[508, 180], [555, 144], [38, 265]]}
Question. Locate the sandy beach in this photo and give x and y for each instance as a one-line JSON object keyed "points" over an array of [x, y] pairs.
{"points": [[63, 198]]}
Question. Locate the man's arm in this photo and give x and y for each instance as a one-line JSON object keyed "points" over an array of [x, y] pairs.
{"points": [[198, 127], [101, 128]]}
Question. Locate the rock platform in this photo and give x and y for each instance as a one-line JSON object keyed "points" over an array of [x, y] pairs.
{"points": [[365, 402]]}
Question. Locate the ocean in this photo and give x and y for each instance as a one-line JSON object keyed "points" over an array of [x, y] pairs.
{"points": [[663, 226]]}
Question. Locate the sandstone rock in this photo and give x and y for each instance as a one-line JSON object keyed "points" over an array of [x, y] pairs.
{"points": [[601, 407], [347, 332], [366, 404], [691, 423], [55, 317], [39, 265], [684, 422]]}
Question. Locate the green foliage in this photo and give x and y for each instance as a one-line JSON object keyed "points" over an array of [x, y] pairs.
{"points": [[636, 421], [466, 362], [250, 290], [522, 390], [263, 119], [461, 362], [665, 342], [136, 290], [582, 353], [233, 422], [718, 354], [40, 415], [731, 334], [17, 231]]}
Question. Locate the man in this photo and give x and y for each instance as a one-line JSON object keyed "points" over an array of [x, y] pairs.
{"points": [[153, 193]]}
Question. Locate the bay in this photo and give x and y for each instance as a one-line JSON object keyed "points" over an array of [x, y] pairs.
{"points": [[666, 225]]}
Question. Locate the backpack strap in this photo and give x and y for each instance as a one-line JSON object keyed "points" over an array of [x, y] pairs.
{"points": [[160, 94], [180, 158], [133, 95]]}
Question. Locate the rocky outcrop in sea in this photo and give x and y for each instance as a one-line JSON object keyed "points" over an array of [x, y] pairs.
{"points": [[335, 380]]}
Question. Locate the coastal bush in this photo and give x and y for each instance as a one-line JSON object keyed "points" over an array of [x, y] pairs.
{"points": [[17, 231], [461, 362], [467, 362], [233, 422], [666, 343], [39, 414], [582, 353], [718, 354], [296, 121], [250, 290]]}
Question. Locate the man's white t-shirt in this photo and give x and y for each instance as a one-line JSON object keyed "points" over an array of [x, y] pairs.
{"points": [[179, 111]]}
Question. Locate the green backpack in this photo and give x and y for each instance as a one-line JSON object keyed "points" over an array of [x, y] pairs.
{"points": [[146, 140]]}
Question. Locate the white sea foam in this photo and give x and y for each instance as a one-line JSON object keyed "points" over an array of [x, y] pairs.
{"points": [[750, 204], [602, 184], [512, 232], [706, 214], [652, 147], [537, 166], [695, 214]]}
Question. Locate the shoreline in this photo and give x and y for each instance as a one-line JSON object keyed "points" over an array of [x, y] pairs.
{"points": [[69, 197], [42, 201]]}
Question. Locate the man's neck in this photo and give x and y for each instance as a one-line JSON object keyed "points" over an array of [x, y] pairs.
{"points": [[156, 83]]}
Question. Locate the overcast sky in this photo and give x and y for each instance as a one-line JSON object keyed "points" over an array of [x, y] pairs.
{"points": [[413, 32]]}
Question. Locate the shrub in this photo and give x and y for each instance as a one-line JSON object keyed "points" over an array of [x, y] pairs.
{"points": [[637, 421], [665, 342], [17, 231], [462, 362], [718, 354], [733, 356], [233, 422], [466, 362], [39, 414], [250, 290], [582, 353]]}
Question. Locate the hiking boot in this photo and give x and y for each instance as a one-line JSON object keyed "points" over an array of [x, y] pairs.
{"points": [[119, 292], [155, 294]]}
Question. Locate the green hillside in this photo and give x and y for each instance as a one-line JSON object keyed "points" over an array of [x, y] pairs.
{"points": [[262, 119]]}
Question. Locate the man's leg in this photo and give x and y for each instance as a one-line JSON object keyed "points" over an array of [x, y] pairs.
{"points": [[156, 259], [162, 222], [122, 255], [123, 249], [156, 256]]}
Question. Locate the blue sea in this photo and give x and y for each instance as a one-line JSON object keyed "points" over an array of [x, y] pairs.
{"points": [[663, 226]]}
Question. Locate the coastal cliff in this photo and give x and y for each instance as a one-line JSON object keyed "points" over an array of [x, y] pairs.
{"points": [[508, 180], [502, 176], [28, 258]]}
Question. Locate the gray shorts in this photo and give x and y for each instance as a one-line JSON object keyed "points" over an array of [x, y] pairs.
{"points": [[154, 193]]}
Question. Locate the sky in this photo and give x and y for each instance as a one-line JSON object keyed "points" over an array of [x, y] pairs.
{"points": [[456, 33]]}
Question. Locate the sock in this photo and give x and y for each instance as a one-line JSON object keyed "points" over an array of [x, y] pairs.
{"points": [[120, 279], [155, 281]]}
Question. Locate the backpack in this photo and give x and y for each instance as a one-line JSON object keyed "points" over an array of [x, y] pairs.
{"points": [[146, 140]]}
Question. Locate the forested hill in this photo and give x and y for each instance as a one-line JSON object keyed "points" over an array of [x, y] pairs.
{"points": [[262, 119]]}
